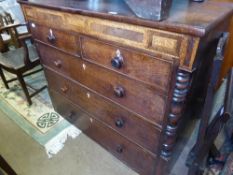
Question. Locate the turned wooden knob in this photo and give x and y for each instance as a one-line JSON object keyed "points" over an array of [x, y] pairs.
{"points": [[64, 89], [119, 91], [57, 63], [117, 61], [119, 148], [119, 122], [71, 116], [51, 37]]}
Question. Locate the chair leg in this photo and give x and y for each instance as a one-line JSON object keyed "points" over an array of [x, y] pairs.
{"points": [[24, 87], [3, 78], [6, 167]]}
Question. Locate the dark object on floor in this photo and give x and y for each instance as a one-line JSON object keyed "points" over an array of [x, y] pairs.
{"points": [[19, 62], [210, 128], [6, 167]]}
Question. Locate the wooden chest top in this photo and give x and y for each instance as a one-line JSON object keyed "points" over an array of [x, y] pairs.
{"points": [[185, 17]]}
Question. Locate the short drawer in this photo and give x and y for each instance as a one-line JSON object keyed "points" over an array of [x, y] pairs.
{"points": [[131, 63], [124, 122], [53, 59], [65, 41], [139, 159], [178, 46]]}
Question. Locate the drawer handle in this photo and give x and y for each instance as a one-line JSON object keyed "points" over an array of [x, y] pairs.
{"points": [[119, 91], [119, 122], [64, 89], [51, 37], [57, 63], [117, 61], [120, 149], [70, 116]]}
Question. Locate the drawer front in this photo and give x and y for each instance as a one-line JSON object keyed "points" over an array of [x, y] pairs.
{"points": [[131, 63], [141, 98], [132, 155], [66, 108], [62, 40], [60, 84], [53, 59], [122, 121]]}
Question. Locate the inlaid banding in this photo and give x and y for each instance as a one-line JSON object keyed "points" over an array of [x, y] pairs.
{"points": [[118, 32]]}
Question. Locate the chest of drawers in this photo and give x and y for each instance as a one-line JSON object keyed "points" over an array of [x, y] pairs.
{"points": [[126, 82]]}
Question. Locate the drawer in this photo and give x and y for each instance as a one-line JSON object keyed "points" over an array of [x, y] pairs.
{"points": [[141, 98], [62, 40], [131, 63], [62, 85], [155, 41], [53, 59], [131, 154], [127, 124], [66, 108]]}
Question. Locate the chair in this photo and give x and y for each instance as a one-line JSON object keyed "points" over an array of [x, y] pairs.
{"points": [[19, 62], [210, 126], [9, 32]]}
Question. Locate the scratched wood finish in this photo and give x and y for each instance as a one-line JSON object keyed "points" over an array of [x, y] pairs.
{"points": [[137, 158], [132, 127], [196, 19], [61, 39], [155, 71], [152, 40], [144, 99]]}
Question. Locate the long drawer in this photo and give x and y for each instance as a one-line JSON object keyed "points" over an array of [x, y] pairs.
{"points": [[142, 98], [131, 154], [127, 124]]}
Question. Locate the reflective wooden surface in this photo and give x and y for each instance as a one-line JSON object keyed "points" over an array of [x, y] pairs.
{"points": [[185, 16]]}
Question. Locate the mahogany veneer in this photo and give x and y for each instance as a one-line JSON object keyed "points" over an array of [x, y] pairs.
{"points": [[127, 82]]}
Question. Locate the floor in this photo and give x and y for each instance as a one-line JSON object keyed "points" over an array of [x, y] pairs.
{"points": [[79, 157]]}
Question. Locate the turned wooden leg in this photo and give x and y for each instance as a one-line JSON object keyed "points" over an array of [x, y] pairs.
{"points": [[24, 87], [3, 78]]}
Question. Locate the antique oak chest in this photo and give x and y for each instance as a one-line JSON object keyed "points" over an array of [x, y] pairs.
{"points": [[127, 82]]}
